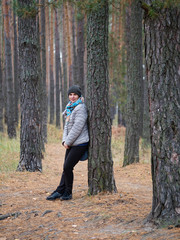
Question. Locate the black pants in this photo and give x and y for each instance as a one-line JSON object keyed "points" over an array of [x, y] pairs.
{"points": [[72, 157]]}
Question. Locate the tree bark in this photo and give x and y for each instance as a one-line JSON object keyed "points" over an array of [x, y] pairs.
{"points": [[1, 79], [58, 69], [47, 37], [100, 164], [64, 63], [11, 126], [75, 66], [16, 65], [134, 83], [68, 35], [80, 51], [146, 117], [51, 67], [30, 83], [162, 52], [44, 105], [1, 98]]}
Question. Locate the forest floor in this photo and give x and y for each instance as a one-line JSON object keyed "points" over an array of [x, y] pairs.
{"points": [[105, 216]]}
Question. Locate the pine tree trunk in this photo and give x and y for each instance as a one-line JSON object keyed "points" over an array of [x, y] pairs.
{"points": [[1, 98], [57, 67], [1, 81], [162, 48], [30, 83], [100, 164], [75, 66], [11, 126], [146, 117], [51, 67], [44, 104], [69, 59], [16, 79], [64, 63], [80, 52], [134, 83], [47, 37]]}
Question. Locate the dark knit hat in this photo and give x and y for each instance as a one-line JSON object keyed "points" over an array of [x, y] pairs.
{"points": [[75, 89]]}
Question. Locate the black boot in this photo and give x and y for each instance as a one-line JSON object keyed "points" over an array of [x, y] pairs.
{"points": [[54, 196], [66, 196]]}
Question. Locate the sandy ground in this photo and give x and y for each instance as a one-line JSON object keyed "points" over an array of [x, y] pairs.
{"points": [[106, 216]]}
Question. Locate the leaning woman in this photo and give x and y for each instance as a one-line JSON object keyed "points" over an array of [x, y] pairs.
{"points": [[75, 140]]}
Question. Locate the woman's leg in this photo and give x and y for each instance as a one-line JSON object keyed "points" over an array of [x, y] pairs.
{"points": [[73, 157], [61, 187]]}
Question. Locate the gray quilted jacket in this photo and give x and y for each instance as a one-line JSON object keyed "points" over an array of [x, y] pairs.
{"points": [[76, 130]]}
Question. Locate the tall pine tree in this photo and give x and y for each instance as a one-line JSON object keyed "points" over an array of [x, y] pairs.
{"points": [[100, 164]]}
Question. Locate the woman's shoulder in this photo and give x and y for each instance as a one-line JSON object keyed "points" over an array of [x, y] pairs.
{"points": [[80, 106]]}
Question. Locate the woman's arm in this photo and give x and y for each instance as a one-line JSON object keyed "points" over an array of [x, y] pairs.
{"points": [[65, 133]]}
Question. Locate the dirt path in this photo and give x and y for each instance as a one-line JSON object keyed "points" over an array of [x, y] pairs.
{"points": [[106, 216]]}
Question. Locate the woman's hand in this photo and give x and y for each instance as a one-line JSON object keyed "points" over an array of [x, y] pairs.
{"points": [[66, 146]]}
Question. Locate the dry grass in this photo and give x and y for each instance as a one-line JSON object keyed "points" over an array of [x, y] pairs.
{"points": [[9, 153], [10, 148], [118, 140]]}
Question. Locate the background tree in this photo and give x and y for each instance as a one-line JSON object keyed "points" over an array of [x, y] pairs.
{"points": [[1, 77], [74, 49], [44, 104], [134, 85], [51, 61], [10, 111], [80, 50], [58, 68], [64, 62], [1, 98], [162, 49], [67, 21], [15, 69], [29, 57], [100, 164], [117, 60]]}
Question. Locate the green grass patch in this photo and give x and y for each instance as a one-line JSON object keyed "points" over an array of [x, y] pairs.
{"points": [[9, 153]]}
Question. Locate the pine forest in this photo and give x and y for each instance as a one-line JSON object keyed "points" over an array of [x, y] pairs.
{"points": [[124, 56]]}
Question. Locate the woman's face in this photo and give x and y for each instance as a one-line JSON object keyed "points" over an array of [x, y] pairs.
{"points": [[73, 97]]}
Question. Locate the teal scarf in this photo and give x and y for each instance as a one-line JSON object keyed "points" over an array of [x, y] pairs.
{"points": [[71, 106]]}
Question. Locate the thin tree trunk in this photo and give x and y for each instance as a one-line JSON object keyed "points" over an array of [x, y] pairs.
{"points": [[3, 72], [162, 48], [69, 59], [16, 79], [64, 62], [134, 81], [51, 67], [44, 104], [47, 37], [30, 87], [100, 163], [57, 67], [80, 51], [11, 128], [75, 66], [1, 98], [1, 80]]}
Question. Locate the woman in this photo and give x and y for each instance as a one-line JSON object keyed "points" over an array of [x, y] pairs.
{"points": [[75, 140]]}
